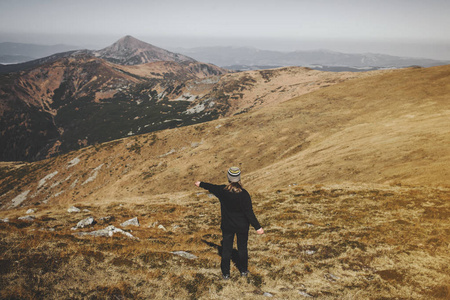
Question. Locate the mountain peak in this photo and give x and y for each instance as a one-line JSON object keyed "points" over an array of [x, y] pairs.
{"points": [[132, 42], [131, 51]]}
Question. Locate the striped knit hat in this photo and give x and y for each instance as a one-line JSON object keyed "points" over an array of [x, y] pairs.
{"points": [[234, 174]]}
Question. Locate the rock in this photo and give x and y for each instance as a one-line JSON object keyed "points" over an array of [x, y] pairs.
{"points": [[31, 211], [153, 225], [162, 227], [27, 218], [310, 252], [184, 254], [73, 209], [5, 220], [86, 210], [305, 294], [108, 231], [84, 223], [133, 222], [266, 294]]}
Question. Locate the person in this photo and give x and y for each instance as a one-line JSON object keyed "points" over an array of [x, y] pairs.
{"points": [[237, 216]]}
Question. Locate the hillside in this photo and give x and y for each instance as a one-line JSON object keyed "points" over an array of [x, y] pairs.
{"points": [[386, 129], [79, 100], [350, 182]]}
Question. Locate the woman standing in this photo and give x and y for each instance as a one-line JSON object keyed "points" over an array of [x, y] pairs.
{"points": [[237, 215]]}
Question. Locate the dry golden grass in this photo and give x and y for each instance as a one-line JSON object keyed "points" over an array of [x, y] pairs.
{"points": [[350, 183], [332, 242]]}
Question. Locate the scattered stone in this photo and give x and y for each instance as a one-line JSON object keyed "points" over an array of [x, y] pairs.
{"points": [[73, 209], [310, 252], [107, 232], [153, 225], [46, 178], [305, 294], [175, 227], [73, 162], [266, 294], [86, 210], [31, 211], [184, 254], [94, 174], [5, 220], [19, 199], [133, 222], [84, 223], [27, 218], [47, 229], [162, 227]]}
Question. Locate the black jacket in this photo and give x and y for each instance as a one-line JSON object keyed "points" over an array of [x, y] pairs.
{"points": [[236, 208]]}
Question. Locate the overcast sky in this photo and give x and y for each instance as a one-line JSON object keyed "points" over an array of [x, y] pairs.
{"points": [[411, 27]]}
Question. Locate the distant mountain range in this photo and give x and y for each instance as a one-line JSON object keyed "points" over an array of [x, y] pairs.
{"points": [[250, 58], [130, 51], [19, 52]]}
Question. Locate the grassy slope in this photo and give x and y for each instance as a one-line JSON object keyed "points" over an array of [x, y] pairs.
{"points": [[316, 167]]}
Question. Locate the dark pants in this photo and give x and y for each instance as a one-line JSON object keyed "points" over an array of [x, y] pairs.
{"points": [[227, 244]]}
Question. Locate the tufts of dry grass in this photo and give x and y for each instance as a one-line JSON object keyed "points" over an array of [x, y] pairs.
{"points": [[321, 241]]}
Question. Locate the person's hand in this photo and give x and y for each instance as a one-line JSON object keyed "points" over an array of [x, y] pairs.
{"points": [[260, 231], [197, 183]]}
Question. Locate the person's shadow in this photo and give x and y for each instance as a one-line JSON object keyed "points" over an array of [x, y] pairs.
{"points": [[234, 253]]}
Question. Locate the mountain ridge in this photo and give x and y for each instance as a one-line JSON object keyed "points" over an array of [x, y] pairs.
{"points": [[56, 96], [253, 57]]}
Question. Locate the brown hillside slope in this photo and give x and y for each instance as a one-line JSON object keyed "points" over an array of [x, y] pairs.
{"points": [[354, 240], [387, 129]]}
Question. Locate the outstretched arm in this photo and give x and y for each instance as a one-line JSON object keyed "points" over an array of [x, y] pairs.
{"points": [[212, 188]]}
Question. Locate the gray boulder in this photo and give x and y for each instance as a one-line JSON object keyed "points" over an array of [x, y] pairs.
{"points": [[133, 222], [31, 211], [27, 218], [84, 223], [73, 209], [184, 254]]}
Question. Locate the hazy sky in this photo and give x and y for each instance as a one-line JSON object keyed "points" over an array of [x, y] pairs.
{"points": [[413, 27]]}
